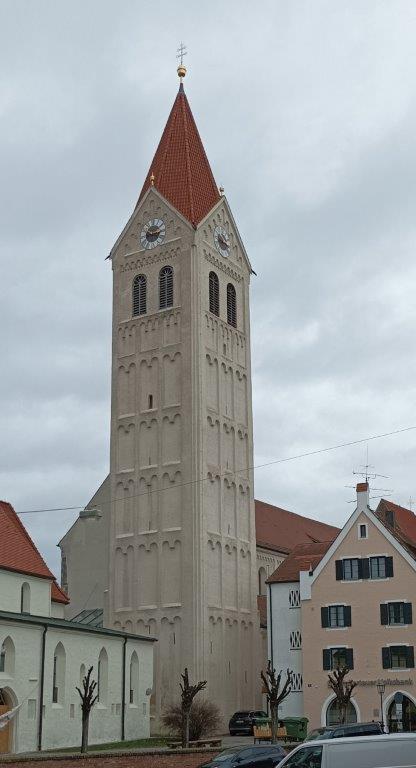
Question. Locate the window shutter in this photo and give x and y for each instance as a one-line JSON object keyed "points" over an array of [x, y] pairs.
{"points": [[384, 613], [338, 570], [326, 659], [325, 617], [347, 615], [389, 566], [385, 655], [410, 657], [349, 656], [407, 613], [365, 568]]}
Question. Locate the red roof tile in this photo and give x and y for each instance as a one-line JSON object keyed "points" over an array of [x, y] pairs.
{"points": [[180, 167], [302, 558], [58, 595], [18, 552], [400, 518], [282, 530]]}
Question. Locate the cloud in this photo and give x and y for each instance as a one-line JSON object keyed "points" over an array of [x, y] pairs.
{"points": [[307, 113]]}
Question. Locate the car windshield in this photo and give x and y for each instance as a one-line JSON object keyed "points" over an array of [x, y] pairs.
{"points": [[307, 757], [241, 714], [225, 755], [317, 733]]}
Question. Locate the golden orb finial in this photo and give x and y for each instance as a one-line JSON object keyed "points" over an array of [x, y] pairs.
{"points": [[181, 52]]}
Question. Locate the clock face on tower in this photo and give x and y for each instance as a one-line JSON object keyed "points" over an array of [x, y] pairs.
{"points": [[222, 241], [153, 233]]}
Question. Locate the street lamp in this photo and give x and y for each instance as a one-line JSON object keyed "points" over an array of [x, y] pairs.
{"points": [[381, 688]]}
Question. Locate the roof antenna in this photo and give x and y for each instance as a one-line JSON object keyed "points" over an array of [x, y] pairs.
{"points": [[365, 472], [181, 52]]}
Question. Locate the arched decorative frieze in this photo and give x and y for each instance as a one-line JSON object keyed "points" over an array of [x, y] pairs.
{"points": [[243, 511], [213, 502], [227, 387], [148, 443], [145, 259], [213, 441], [148, 503], [171, 575], [171, 500], [148, 575], [124, 507], [172, 379], [214, 566], [126, 389], [126, 344], [240, 389], [220, 265], [172, 439], [229, 508], [228, 441], [211, 370], [125, 446], [230, 576], [171, 328]]}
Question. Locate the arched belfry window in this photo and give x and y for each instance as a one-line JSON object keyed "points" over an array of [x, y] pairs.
{"points": [[214, 294], [139, 295], [165, 288], [231, 306]]}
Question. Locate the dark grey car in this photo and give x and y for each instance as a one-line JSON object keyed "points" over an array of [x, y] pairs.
{"points": [[348, 729], [257, 755]]}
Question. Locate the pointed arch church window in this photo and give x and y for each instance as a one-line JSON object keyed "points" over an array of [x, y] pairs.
{"points": [[231, 306], [139, 295], [214, 294], [165, 288]]}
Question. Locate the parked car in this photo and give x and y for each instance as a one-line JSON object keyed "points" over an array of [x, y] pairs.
{"points": [[393, 750], [257, 755], [242, 722], [348, 729]]}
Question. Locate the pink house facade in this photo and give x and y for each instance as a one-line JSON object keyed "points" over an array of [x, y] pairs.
{"points": [[355, 608]]}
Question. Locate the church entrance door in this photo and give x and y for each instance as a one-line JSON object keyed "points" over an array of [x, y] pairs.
{"points": [[5, 706]]}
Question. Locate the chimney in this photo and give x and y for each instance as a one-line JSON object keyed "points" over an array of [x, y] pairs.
{"points": [[363, 495]]}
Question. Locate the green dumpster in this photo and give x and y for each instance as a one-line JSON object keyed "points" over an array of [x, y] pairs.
{"points": [[296, 727]]}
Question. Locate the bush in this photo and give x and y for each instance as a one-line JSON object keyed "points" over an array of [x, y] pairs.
{"points": [[204, 719]]}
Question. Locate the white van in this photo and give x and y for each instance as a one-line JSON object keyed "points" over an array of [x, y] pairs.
{"points": [[394, 750]]}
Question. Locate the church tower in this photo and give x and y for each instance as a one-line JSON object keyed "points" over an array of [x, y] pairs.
{"points": [[182, 530]]}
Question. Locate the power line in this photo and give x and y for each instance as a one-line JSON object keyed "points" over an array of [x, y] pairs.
{"points": [[228, 473]]}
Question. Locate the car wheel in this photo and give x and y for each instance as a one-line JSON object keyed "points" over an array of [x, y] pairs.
{"points": [[232, 733]]}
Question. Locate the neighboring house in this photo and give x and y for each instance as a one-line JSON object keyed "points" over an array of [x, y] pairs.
{"points": [[356, 609], [284, 621], [43, 657]]}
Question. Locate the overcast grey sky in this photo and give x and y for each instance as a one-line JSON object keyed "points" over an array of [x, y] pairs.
{"points": [[307, 111]]}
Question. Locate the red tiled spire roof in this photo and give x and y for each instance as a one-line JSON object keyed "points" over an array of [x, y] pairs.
{"points": [[180, 167], [18, 552]]}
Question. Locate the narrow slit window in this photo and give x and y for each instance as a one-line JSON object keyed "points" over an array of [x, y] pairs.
{"points": [[150, 402], [166, 288], [139, 295], [231, 306], [214, 294]]}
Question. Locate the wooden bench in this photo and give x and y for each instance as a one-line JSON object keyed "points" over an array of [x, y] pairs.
{"points": [[264, 733], [200, 743]]}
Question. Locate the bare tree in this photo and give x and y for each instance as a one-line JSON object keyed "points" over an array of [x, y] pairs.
{"points": [[275, 696], [188, 693], [87, 702], [342, 688]]}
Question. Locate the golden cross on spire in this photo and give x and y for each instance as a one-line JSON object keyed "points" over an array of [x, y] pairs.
{"points": [[181, 52]]}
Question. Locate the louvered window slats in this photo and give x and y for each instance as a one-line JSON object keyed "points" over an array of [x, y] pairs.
{"points": [[214, 294], [139, 295], [166, 288], [231, 306]]}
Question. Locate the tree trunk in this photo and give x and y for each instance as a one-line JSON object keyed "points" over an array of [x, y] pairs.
{"points": [[185, 728], [85, 723], [343, 710], [273, 715]]}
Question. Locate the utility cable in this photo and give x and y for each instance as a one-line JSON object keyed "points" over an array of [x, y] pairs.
{"points": [[229, 472]]}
